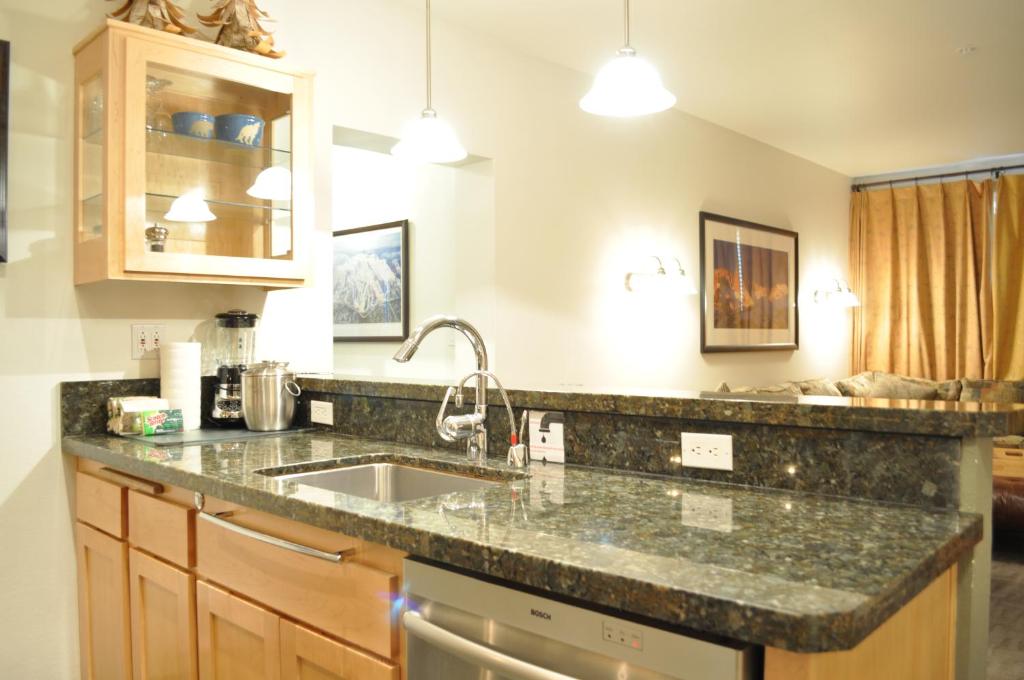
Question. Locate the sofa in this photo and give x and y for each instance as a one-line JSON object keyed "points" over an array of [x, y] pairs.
{"points": [[1008, 454]]}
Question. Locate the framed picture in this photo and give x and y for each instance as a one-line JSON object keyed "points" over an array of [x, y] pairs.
{"points": [[371, 283], [749, 286], [5, 94]]}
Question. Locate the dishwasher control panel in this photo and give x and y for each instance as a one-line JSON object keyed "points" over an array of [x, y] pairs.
{"points": [[615, 631]]}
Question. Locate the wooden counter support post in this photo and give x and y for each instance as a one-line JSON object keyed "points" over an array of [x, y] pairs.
{"points": [[917, 643], [975, 572]]}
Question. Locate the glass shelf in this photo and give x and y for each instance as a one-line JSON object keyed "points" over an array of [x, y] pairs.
{"points": [[222, 209], [170, 143], [153, 199]]}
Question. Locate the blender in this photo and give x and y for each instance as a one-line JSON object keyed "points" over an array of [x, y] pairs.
{"points": [[233, 349]]}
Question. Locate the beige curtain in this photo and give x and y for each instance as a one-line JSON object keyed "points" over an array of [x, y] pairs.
{"points": [[1008, 281], [918, 263]]}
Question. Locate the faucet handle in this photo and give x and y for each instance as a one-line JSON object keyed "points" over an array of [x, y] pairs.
{"points": [[439, 421]]}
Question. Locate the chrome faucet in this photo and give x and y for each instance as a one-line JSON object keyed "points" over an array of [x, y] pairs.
{"points": [[476, 431]]}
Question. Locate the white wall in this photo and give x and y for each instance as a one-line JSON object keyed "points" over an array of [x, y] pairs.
{"points": [[439, 202], [574, 198], [579, 200], [51, 331]]}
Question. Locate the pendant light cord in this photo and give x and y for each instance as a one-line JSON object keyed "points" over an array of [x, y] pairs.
{"points": [[428, 56], [626, 23]]}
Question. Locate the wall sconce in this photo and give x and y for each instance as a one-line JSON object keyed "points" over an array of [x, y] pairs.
{"points": [[837, 294], [674, 278]]}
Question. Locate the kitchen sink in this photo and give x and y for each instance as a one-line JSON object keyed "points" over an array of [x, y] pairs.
{"points": [[387, 481]]}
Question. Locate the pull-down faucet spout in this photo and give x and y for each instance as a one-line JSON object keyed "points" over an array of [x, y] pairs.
{"points": [[476, 446]]}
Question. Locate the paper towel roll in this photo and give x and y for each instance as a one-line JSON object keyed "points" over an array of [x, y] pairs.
{"points": [[180, 384]]}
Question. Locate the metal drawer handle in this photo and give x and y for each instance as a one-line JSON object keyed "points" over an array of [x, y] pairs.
{"points": [[128, 481], [474, 652], [335, 557]]}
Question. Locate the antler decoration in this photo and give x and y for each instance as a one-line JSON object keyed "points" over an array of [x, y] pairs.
{"points": [[239, 22], [162, 15]]}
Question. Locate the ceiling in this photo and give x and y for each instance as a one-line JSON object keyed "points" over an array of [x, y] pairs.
{"points": [[859, 86]]}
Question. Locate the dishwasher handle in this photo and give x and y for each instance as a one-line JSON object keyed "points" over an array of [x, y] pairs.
{"points": [[475, 652]]}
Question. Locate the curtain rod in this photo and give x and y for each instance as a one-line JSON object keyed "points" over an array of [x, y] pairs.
{"points": [[994, 170]]}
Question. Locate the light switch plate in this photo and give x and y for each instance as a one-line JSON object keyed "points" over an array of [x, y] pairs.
{"points": [[547, 440], [321, 412], [708, 451]]}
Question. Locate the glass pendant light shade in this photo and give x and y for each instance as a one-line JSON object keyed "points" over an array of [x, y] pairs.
{"points": [[627, 86], [428, 139]]}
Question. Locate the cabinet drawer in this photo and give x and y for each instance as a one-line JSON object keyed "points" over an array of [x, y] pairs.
{"points": [[348, 600], [101, 504], [307, 655], [1008, 463], [162, 528]]}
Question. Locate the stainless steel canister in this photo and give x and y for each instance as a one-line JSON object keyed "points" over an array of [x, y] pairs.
{"points": [[269, 392]]}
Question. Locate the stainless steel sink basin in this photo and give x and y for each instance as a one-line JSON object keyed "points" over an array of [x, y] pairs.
{"points": [[388, 481]]}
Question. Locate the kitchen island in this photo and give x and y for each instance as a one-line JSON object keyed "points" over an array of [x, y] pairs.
{"points": [[791, 571]]}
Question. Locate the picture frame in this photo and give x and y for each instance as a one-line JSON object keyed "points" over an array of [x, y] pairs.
{"points": [[749, 286], [5, 96], [370, 283]]}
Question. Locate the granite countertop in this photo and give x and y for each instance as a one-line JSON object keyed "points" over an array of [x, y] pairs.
{"points": [[909, 416], [802, 572]]}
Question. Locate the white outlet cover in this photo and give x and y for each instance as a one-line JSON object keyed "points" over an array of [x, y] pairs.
{"points": [[547, 436], [321, 412], [706, 451], [146, 339]]}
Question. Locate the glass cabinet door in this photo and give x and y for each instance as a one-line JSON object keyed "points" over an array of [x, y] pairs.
{"points": [[90, 223], [208, 166]]}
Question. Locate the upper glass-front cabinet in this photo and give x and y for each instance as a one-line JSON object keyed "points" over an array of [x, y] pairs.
{"points": [[192, 162]]}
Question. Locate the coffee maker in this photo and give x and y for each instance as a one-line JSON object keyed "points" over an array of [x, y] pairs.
{"points": [[233, 349]]}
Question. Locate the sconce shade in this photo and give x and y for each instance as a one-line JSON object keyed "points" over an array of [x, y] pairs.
{"points": [[673, 280], [837, 294]]}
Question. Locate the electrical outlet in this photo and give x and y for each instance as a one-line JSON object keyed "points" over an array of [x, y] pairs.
{"points": [[146, 340], [321, 412], [709, 451]]}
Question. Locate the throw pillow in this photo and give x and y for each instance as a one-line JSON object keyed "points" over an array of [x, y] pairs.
{"points": [[819, 387], [857, 385], [995, 391], [891, 386], [781, 388]]}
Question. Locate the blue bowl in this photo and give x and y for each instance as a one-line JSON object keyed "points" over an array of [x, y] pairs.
{"points": [[193, 124], [240, 128]]}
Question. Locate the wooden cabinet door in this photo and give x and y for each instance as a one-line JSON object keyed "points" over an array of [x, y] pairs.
{"points": [[237, 640], [163, 614], [306, 655], [103, 616]]}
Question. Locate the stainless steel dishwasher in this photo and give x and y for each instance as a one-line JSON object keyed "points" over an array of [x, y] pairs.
{"points": [[463, 628]]}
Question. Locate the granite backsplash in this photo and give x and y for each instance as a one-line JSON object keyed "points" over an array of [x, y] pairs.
{"points": [[83, 403], [825, 456], [903, 468]]}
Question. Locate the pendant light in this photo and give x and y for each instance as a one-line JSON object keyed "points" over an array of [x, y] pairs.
{"points": [[627, 86], [428, 139]]}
